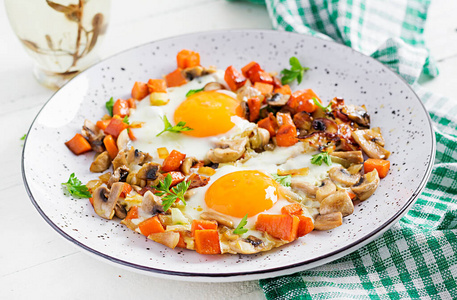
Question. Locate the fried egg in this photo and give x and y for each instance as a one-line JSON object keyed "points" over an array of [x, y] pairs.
{"points": [[211, 114], [248, 188]]}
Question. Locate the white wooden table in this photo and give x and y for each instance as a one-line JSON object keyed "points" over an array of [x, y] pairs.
{"points": [[35, 261]]}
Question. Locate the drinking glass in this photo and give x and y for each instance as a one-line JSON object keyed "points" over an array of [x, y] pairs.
{"points": [[62, 36]]}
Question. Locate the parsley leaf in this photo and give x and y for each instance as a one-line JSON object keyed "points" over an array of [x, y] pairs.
{"points": [[296, 71], [23, 137], [283, 180], [240, 228], [126, 120], [170, 196], [76, 188], [178, 128], [191, 92], [109, 106], [327, 108], [319, 158]]}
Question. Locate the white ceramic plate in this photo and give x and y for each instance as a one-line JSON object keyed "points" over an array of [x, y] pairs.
{"points": [[335, 71]]}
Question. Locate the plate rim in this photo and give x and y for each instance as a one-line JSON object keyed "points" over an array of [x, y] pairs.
{"points": [[331, 256]]}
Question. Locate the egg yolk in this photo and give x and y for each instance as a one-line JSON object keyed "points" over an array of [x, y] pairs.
{"points": [[208, 113], [243, 192]]}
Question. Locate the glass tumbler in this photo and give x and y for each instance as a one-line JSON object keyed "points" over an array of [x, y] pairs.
{"points": [[61, 36]]}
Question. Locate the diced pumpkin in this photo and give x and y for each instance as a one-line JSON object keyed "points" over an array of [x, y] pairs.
{"points": [[285, 90], [234, 78], [286, 136], [132, 213], [121, 108], [102, 124], [270, 124], [303, 101], [381, 165], [187, 59], [78, 144], [279, 226], [173, 161], [292, 209], [115, 127], [110, 145], [175, 78], [202, 225], [151, 225], [305, 226], [157, 86], [263, 88], [163, 152], [207, 242], [139, 90], [254, 108]]}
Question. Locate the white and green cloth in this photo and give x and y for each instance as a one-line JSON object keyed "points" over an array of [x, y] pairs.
{"points": [[416, 258]]}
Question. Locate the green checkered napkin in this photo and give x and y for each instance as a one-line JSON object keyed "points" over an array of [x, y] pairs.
{"points": [[415, 259]]}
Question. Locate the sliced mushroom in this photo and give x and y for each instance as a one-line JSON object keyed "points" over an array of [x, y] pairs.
{"points": [[327, 125], [325, 189], [277, 99], [149, 171], [328, 221], [197, 71], [213, 86], [366, 185], [358, 114], [120, 160], [167, 238], [337, 202], [303, 186], [303, 121], [151, 204], [101, 162], [369, 143], [120, 211], [135, 156], [187, 163], [123, 140], [219, 218], [227, 151], [342, 176], [243, 247], [94, 135], [259, 138], [120, 175], [355, 157], [105, 200]]}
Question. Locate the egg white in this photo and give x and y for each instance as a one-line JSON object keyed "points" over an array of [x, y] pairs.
{"points": [[151, 116], [268, 162]]}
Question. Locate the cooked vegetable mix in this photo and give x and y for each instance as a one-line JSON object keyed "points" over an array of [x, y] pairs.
{"points": [[241, 164]]}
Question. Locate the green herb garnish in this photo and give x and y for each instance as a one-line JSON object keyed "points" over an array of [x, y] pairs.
{"points": [[240, 228], [296, 71], [23, 137], [180, 127], [191, 92], [319, 158], [170, 196], [109, 106], [126, 120], [327, 108], [282, 180], [76, 188]]}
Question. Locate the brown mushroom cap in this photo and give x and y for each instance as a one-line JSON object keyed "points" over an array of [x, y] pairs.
{"points": [[342, 176], [370, 143], [367, 185], [227, 151], [105, 200], [328, 221], [325, 189], [337, 202]]}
